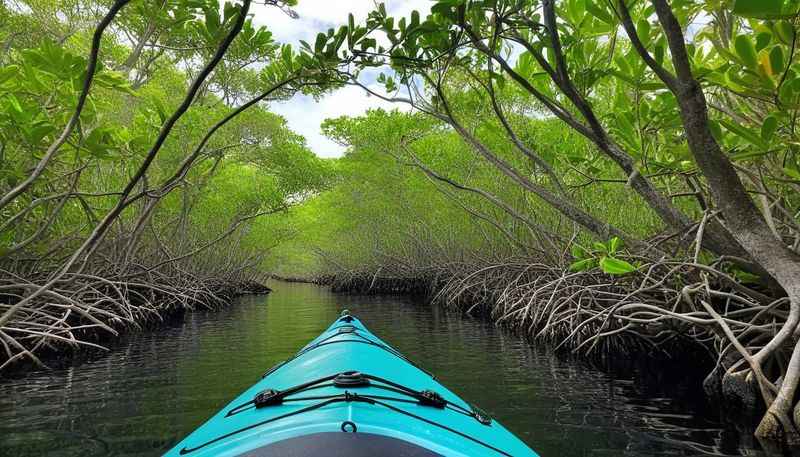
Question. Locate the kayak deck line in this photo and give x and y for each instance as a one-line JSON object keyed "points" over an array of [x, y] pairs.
{"points": [[354, 379], [349, 397], [355, 400]]}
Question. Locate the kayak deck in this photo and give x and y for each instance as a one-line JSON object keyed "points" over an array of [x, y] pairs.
{"points": [[348, 393]]}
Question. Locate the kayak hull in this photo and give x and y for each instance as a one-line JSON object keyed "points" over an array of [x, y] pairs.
{"points": [[346, 393]]}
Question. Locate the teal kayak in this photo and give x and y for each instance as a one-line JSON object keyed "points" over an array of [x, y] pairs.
{"points": [[349, 394]]}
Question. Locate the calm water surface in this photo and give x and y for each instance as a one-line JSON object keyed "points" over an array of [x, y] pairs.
{"points": [[157, 386]]}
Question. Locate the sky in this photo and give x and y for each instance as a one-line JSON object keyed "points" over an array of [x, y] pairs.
{"points": [[303, 113]]}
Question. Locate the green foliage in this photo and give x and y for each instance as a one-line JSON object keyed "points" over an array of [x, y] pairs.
{"points": [[746, 51], [764, 8], [603, 255], [464, 62], [254, 164], [383, 209]]}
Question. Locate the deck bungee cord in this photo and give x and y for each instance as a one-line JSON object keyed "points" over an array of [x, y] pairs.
{"points": [[354, 379], [348, 397]]}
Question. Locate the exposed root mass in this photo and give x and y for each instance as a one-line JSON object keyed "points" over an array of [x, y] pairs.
{"points": [[663, 310], [84, 309]]}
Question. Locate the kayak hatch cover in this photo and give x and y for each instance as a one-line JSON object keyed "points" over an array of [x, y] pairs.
{"points": [[349, 394]]}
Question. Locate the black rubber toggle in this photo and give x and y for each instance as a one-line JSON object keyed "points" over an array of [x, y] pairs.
{"points": [[431, 398], [269, 397], [352, 426], [345, 316], [350, 379]]}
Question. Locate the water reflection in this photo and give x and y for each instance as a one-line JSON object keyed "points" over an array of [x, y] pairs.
{"points": [[157, 386]]}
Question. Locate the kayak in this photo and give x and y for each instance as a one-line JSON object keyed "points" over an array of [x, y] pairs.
{"points": [[349, 394]]}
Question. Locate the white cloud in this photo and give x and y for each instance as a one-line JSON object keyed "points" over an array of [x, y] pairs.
{"points": [[303, 113]]}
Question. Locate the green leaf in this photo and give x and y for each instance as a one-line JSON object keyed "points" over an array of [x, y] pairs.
{"points": [[744, 133], [583, 265], [758, 8], [368, 43], [623, 65], [792, 173], [110, 80], [351, 25], [643, 31], [319, 44], [161, 110], [762, 40], [229, 11], [746, 51], [769, 127], [578, 252], [614, 266], [614, 244], [786, 93], [286, 55], [575, 10], [99, 142], [737, 156], [785, 31], [15, 105], [8, 72], [746, 277], [776, 59], [212, 21], [37, 133], [600, 247], [658, 53], [599, 11], [444, 9]]}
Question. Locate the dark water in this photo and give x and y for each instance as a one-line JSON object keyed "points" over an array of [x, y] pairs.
{"points": [[157, 386]]}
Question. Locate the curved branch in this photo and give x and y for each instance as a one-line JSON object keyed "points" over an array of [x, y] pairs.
{"points": [[73, 121], [100, 230]]}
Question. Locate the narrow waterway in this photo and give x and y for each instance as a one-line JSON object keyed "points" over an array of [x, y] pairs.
{"points": [[157, 386]]}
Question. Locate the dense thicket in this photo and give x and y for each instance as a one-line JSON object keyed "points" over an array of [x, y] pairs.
{"points": [[144, 187], [612, 176]]}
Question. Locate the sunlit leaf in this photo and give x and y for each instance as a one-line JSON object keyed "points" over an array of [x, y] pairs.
{"points": [[614, 244], [758, 8], [598, 10], [615, 266], [745, 133], [583, 265], [745, 50], [769, 127]]}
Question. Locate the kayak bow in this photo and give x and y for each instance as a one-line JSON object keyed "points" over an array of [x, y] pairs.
{"points": [[347, 393]]}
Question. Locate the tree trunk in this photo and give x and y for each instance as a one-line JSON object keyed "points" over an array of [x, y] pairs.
{"points": [[742, 217]]}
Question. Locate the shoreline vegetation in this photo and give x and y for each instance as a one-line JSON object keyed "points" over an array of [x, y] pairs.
{"points": [[611, 177], [146, 304], [112, 218], [545, 305]]}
